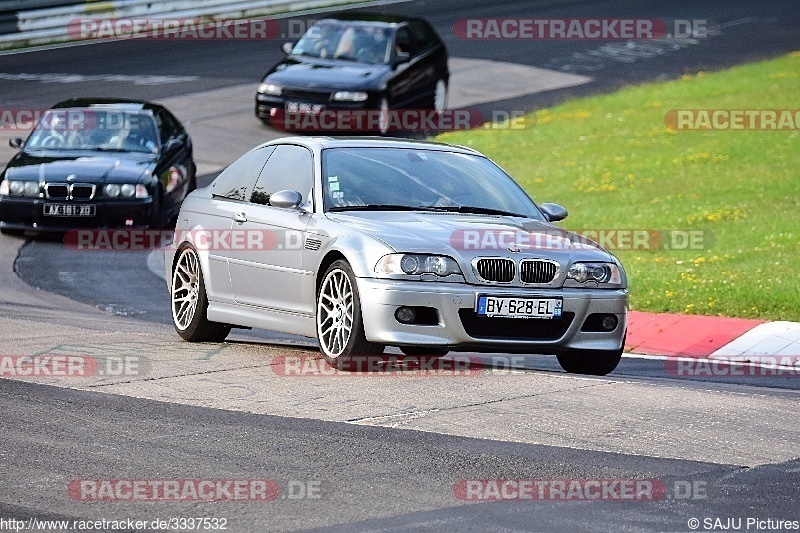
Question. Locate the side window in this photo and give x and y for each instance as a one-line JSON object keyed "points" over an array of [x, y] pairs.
{"points": [[235, 180], [424, 36], [402, 42], [290, 167]]}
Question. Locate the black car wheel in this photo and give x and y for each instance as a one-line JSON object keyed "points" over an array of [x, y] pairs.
{"points": [[340, 328], [190, 303], [590, 362], [440, 96], [383, 116]]}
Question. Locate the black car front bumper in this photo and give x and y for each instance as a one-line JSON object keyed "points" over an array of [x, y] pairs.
{"points": [[28, 214]]}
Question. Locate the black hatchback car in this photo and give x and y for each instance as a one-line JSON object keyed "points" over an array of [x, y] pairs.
{"points": [[98, 163], [355, 62]]}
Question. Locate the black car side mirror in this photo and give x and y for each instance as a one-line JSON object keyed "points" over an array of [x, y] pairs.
{"points": [[16, 142], [173, 145], [287, 48], [553, 212], [401, 58]]}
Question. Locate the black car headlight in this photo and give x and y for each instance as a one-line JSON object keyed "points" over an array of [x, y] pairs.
{"points": [[29, 189], [597, 272], [350, 96], [270, 88], [125, 190], [417, 264]]}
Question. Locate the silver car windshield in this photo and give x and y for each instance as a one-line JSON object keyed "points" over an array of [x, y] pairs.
{"points": [[404, 179], [356, 42], [95, 129]]}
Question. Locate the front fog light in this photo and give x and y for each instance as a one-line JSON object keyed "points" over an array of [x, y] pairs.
{"points": [[406, 315], [609, 323]]}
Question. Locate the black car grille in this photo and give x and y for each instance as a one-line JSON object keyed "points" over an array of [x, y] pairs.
{"points": [[307, 97], [82, 192], [65, 191], [533, 271], [56, 191], [496, 270], [543, 329]]}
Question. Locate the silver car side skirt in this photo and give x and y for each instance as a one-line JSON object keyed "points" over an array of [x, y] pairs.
{"points": [[263, 318]]}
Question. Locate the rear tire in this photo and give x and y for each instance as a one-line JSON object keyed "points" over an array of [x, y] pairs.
{"points": [[189, 302], [340, 328], [590, 362]]}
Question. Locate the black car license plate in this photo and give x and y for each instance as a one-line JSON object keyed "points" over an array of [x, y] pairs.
{"points": [[304, 108], [69, 210]]}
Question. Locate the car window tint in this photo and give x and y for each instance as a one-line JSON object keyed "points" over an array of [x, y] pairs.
{"points": [[168, 125], [423, 35], [290, 167], [235, 180], [402, 42]]}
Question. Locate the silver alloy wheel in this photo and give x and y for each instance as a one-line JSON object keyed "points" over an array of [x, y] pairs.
{"points": [[335, 313], [440, 96], [383, 116], [185, 289]]}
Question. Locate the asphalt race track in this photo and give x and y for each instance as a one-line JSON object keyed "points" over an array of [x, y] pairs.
{"points": [[368, 452]]}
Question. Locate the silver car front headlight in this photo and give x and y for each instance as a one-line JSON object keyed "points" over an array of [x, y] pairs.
{"points": [[417, 264], [597, 272]]}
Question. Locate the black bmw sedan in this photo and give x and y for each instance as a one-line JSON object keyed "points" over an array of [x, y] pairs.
{"points": [[98, 163], [352, 63]]}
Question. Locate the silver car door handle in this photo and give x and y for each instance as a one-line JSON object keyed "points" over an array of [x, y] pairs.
{"points": [[240, 217]]}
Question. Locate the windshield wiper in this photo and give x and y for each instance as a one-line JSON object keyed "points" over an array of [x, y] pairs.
{"points": [[383, 207], [478, 210]]}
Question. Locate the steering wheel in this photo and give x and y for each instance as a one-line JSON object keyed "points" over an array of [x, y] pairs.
{"points": [[53, 140], [367, 54]]}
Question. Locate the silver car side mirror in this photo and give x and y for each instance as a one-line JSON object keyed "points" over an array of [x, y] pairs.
{"points": [[286, 199], [553, 212]]}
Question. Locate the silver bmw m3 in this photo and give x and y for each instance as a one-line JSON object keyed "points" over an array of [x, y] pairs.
{"points": [[368, 243]]}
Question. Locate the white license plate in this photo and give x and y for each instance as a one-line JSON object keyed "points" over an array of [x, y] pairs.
{"points": [[310, 109], [510, 307], [69, 210]]}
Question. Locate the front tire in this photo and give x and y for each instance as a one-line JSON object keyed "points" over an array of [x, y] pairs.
{"points": [[340, 328], [190, 303], [440, 97], [383, 116], [590, 362]]}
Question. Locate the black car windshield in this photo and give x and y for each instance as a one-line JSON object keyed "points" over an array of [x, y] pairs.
{"points": [[352, 42], [401, 179], [114, 130]]}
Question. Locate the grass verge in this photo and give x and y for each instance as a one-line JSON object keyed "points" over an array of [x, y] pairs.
{"points": [[613, 161]]}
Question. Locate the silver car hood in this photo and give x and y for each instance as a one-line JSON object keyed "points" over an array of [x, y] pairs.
{"points": [[466, 236]]}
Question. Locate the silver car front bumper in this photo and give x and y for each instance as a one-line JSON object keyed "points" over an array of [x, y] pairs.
{"points": [[455, 303]]}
